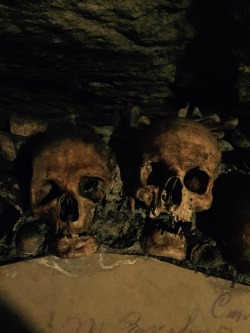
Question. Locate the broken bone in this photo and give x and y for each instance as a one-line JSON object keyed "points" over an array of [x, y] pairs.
{"points": [[73, 246], [166, 244], [26, 126]]}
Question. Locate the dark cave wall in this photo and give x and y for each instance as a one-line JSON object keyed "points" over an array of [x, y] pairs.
{"points": [[217, 59], [61, 58]]}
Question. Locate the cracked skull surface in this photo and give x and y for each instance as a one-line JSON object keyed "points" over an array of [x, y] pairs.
{"points": [[72, 175], [179, 163]]}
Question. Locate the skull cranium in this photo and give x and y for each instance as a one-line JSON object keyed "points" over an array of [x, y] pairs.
{"points": [[72, 174], [179, 163]]}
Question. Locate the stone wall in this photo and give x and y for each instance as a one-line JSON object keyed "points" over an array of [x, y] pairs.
{"points": [[60, 58]]}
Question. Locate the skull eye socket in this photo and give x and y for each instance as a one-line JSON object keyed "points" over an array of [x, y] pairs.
{"points": [[91, 188], [159, 174], [173, 191], [46, 192], [196, 181]]}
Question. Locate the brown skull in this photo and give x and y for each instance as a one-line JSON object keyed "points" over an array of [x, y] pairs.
{"points": [[180, 160], [71, 175]]}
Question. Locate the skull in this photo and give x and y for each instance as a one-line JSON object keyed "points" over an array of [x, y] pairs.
{"points": [[72, 175], [179, 163]]}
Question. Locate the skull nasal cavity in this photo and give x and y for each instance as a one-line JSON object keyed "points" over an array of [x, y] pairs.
{"points": [[173, 190], [68, 209], [196, 181]]}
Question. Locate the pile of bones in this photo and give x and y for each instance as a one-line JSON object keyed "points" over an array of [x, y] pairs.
{"points": [[175, 189]]}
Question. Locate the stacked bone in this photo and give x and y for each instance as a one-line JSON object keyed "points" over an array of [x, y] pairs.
{"points": [[227, 132], [76, 188], [22, 235]]}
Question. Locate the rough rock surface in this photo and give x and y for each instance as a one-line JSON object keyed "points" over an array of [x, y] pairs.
{"points": [[69, 57], [72, 58]]}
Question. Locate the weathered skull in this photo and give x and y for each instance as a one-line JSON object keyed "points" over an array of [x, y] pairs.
{"points": [[180, 160], [71, 175]]}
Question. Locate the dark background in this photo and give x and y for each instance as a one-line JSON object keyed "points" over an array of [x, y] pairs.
{"points": [[89, 59]]}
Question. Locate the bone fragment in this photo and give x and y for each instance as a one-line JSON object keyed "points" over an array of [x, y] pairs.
{"points": [[182, 113], [28, 240], [211, 120], [167, 245], [144, 121], [219, 135], [104, 132], [74, 246], [134, 116], [10, 144], [230, 124], [221, 127], [240, 140], [225, 146], [197, 113], [26, 126], [7, 147]]}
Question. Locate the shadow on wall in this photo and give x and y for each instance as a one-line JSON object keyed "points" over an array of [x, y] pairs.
{"points": [[11, 321], [208, 70], [228, 220]]}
